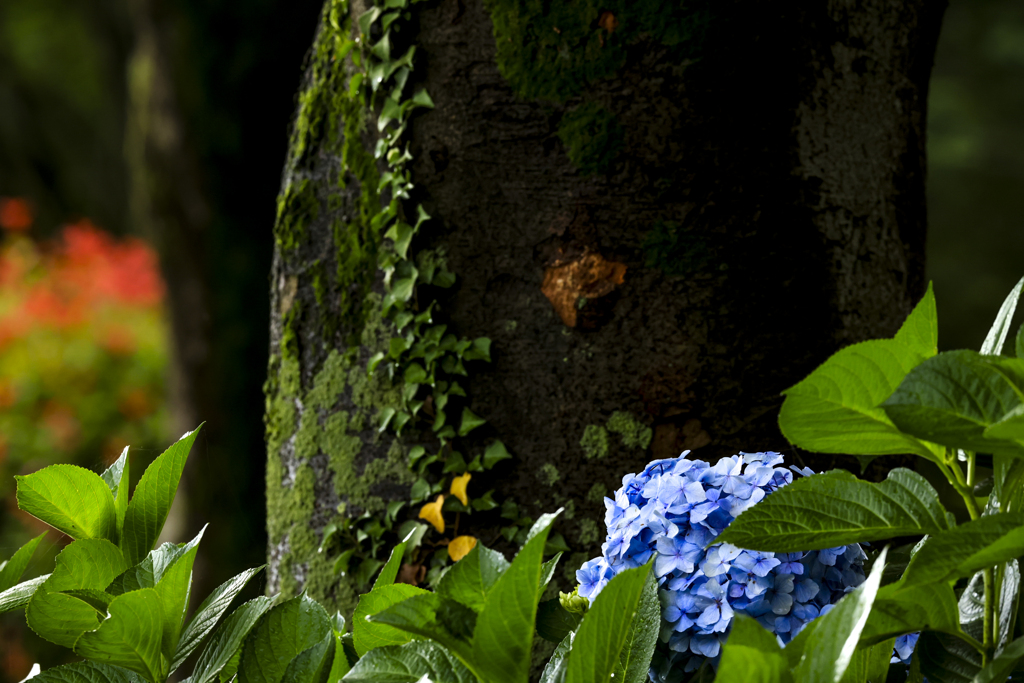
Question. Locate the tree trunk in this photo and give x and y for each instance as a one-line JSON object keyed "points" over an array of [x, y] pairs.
{"points": [[662, 215]]}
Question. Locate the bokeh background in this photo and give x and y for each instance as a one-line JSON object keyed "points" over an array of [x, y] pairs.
{"points": [[141, 146]]}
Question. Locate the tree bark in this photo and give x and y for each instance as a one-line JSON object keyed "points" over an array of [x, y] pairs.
{"points": [[657, 245]]}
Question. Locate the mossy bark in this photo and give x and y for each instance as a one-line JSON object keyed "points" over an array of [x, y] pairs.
{"points": [[661, 214]]}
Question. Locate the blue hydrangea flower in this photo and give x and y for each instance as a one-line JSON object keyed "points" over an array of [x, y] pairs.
{"points": [[670, 512], [904, 648]]}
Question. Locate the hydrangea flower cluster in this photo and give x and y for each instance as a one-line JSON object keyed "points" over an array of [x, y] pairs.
{"points": [[670, 512]]}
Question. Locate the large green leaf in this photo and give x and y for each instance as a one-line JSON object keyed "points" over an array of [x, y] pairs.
{"points": [[947, 659], [281, 634], [313, 664], [1003, 664], [470, 579], [870, 664], [116, 478], [19, 596], [752, 655], [436, 617], [997, 334], [619, 631], [209, 613], [554, 622], [130, 637], [898, 611], [504, 629], [409, 663], [228, 639], [70, 499], [972, 604], [836, 508], [951, 399], [368, 635], [86, 672], [148, 572], [835, 408], [152, 500], [824, 648], [12, 569], [87, 564], [963, 550]]}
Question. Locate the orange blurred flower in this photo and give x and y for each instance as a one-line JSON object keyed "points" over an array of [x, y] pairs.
{"points": [[15, 214]]}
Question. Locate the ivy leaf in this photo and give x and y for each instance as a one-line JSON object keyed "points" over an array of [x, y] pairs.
{"points": [[836, 409], [227, 639], [147, 511], [410, 663], [470, 421], [836, 508], [494, 454], [70, 499], [12, 570]]}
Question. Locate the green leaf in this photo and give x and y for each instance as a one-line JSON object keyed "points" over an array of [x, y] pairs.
{"points": [[471, 578], [951, 399], [150, 571], [556, 668], [836, 508], [504, 629], [1003, 664], [436, 617], [18, 596], [898, 611], [71, 499], [947, 659], [623, 615], [130, 637], [997, 334], [227, 639], [494, 454], [390, 571], [409, 663], [1018, 347], [752, 655], [12, 570], [470, 421], [554, 622], [835, 409], [281, 634], [963, 550], [116, 478], [547, 570], [641, 637], [972, 604], [173, 588], [312, 664], [86, 564], [870, 664], [154, 494], [209, 613], [86, 672], [824, 649], [367, 635], [99, 600]]}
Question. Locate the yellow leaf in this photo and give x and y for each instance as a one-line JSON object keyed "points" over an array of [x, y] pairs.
{"points": [[460, 546], [432, 513], [459, 487]]}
